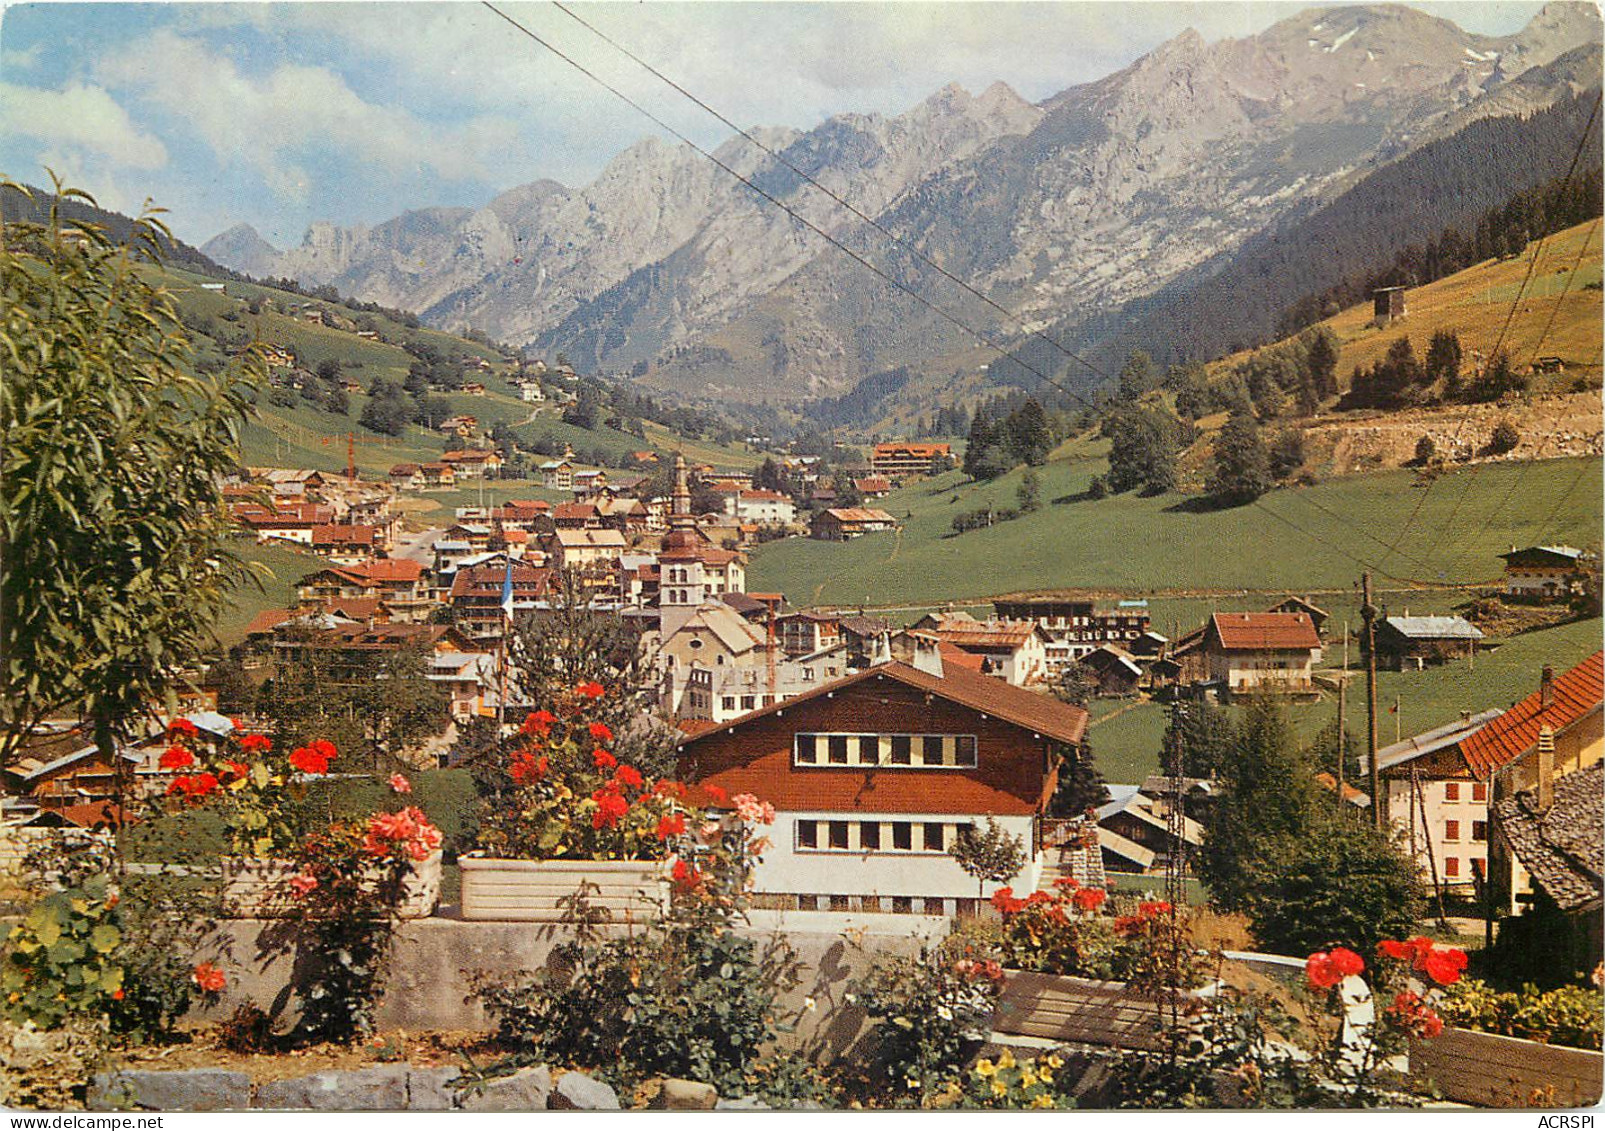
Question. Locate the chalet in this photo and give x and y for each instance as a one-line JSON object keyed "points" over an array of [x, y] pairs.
{"points": [[470, 680], [1116, 669], [1553, 732], [277, 357], [352, 647], [769, 508], [803, 632], [1248, 652], [474, 388], [397, 581], [867, 641], [572, 549], [839, 524], [1138, 819], [872, 777], [519, 514], [898, 459], [1013, 651], [476, 596], [406, 477], [437, 474], [873, 486], [586, 483], [644, 459], [576, 516], [1418, 641], [1075, 626], [1432, 797], [285, 521], [1555, 838], [291, 482], [475, 534], [530, 392], [742, 480], [627, 516], [347, 545], [1318, 616], [449, 554], [1544, 573], [473, 463], [1387, 305], [557, 475]]}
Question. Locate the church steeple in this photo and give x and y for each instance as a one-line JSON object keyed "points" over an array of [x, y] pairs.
{"points": [[680, 517]]}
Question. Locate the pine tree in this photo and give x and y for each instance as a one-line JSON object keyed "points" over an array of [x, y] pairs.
{"points": [[1136, 376], [1320, 353], [1029, 436], [1443, 361]]}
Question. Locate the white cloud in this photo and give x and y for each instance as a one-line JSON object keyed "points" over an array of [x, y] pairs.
{"points": [[288, 118], [79, 121]]}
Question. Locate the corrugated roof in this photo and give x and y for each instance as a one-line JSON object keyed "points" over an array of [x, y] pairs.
{"points": [[1037, 713], [1431, 741], [1253, 632], [1512, 734], [1434, 628]]}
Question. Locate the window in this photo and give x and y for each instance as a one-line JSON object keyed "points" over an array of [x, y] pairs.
{"points": [[729, 702], [839, 903], [1451, 865], [747, 702], [1451, 830], [919, 751], [903, 836], [1479, 830], [869, 836], [807, 834], [902, 750], [838, 749], [838, 835], [902, 905], [807, 755], [933, 837], [1479, 791], [1451, 791]]}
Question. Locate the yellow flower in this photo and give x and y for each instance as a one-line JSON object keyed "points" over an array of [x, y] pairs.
{"points": [[1006, 1060], [984, 1067], [1052, 1060], [1044, 1075], [1027, 1078], [1042, 1101], [999, 1089]]}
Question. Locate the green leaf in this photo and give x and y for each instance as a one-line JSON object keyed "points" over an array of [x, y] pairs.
{"points": [[105, 937]]}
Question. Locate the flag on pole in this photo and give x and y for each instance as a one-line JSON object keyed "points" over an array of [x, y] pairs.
{"points": [[507, 591]]}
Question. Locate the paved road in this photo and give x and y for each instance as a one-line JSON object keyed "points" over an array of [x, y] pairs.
{"points": [[416, 547]]}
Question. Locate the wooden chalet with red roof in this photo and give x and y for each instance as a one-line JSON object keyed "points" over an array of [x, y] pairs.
{"points": [[898, 459], [476, 596], [398, 582], [872, 777], [1249, 652]]}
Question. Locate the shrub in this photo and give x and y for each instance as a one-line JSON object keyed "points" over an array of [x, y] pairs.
{"points": [[1504, 438], [62, 959], [1426, 450], [1068, 931], [1010, 1084], [1568, 1016]]}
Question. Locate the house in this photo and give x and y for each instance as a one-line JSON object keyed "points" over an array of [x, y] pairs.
{"points": [[474, 388], [530, 392], [627, 516], [571, 549], [1433, 798], [1135, 818], [1544, 573], [1318, 616], [400, 583], [587, 483], [873, 486], [1116, 669], [872, 777], [470, 679], [1387, 305], [1554, 836], [898, 459], [576, 516], [437, 474], [449, 554], [1075, 626], [285, 521], [475, 534], [1418, 641], [807, 631], [476, 596], [1013, 651], [347, 545], [1248, 652], [473, 463], [1551, 733], [710, 637], [557, 475], [769, 508], [838, 524]]}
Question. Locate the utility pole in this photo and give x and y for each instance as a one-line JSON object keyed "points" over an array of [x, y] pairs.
{"points": [[1368, 613], [1343, 717]]}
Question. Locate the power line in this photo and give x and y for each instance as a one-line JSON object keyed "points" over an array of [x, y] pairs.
{"points": [[871, 221], [1503, 332], [795, 215]]}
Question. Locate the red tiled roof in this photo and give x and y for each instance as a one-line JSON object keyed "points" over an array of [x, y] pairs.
{"points": [[859, 514], [1515, 732], [480, 581], [268, 619], [346, 535], [954, 656], [407, 469], [986, 634], [1252, 632], [390, 569], [923, 450], [356, 608], [575, 510], [1041, 714]]}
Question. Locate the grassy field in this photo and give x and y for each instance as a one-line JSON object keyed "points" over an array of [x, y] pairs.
{"points": [[1295, 540], [281, 568]]}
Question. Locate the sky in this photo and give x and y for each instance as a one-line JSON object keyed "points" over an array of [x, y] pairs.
{"points": [[282, 114]]}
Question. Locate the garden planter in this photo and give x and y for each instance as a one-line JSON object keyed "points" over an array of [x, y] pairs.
{"points": [[533, 890], [1497, 1071], [1060, 1007], [256, 889]]}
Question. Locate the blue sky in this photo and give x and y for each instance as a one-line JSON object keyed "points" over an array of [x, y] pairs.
{"points": [[282, 114]]}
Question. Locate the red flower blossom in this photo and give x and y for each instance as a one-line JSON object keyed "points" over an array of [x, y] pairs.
{"points": [[1409, 1012], [256, 744], [176, 758], [194, 787], [311, 759], [1321, 970], [686, 876], [610, 807], [209, 978], [591, 689], [1346, 962], [1004, 900], [717, 794], [672, 825], [1444, 964], [1090, 899], [117, 995], [1068, 883], [184, 727], [303, 884], [400, 784], [1153, 907], [1393, 948], [527, 768], [538, 723], [629, 776], [601, 732], [603, 760]]}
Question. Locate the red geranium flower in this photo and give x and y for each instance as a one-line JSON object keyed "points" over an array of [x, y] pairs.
{"points": [[687, 876], [601, 732], [1090, 899], [591, 689], [209, 978], [609, 808], [1068, 883], [603, 760], [1346, 962], [1004, 900], [184, 727], [672, 825], [176, 758], [1445, 964], [538, 723], [1153, 907], [310, 759], [527, 768], [628, 775], [717, 794], [1321, 970], [256, 744], [1393, 948]]}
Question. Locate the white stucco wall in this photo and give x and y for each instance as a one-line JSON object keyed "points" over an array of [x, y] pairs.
{"points": [[786, 869]]}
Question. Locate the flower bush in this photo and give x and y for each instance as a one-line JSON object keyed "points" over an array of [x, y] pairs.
{"points": [[257, 794], [62, 959], [565, 796], [1033, 1084], [1070, 931], [1570, 1016]]}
